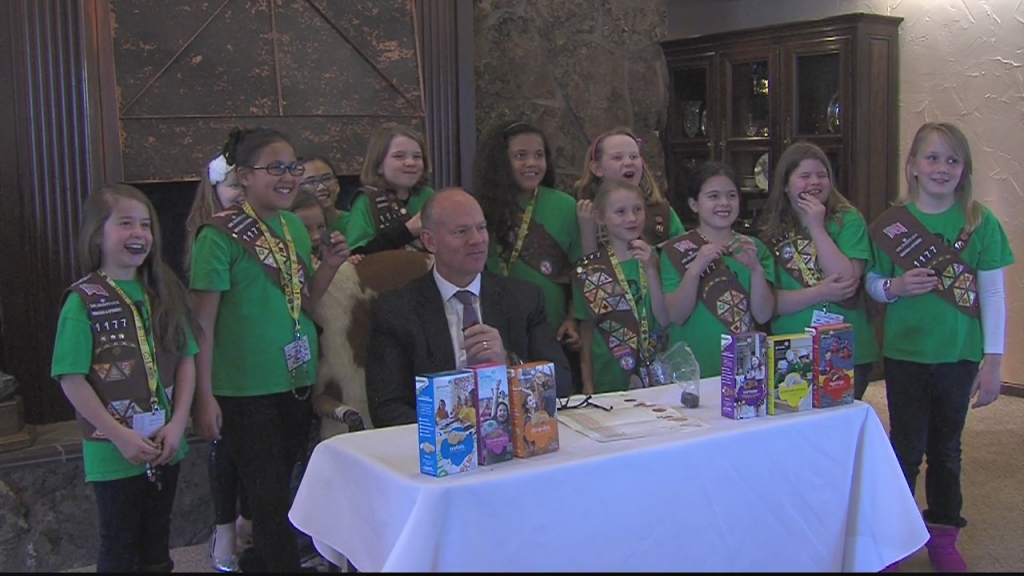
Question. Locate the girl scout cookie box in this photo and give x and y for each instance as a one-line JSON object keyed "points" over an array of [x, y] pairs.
{"points": [[832, 351], [446, 421], [744, 386], [790, 373], [493, 416], [534, 402]]}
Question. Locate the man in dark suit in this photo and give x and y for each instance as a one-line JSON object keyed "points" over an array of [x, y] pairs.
{"points": [[433, 323]]}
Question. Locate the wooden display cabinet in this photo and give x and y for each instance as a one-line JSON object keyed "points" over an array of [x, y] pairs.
{"points": [[742, 97]]}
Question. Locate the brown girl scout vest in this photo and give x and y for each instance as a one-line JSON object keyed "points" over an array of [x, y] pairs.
{"points": [[720, 290], [909, 244], [118, 372]]}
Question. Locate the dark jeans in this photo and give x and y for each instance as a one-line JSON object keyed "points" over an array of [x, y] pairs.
{"points": [[861, 379], [266, 436], [135, 522], [229, 499], [928, 406]]}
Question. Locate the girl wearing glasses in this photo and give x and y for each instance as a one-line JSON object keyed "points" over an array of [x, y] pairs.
{"points": [[251, 281], [321, 181], [394, 179]]}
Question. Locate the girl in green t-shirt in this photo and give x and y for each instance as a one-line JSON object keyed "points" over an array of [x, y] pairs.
{"points": [[132, 459], [820, 245], [716, 281], [618, 296], [616, 155], [219, 189], [258, 345], [943, 318], [321, 181], [532, 226], [386, 212]]}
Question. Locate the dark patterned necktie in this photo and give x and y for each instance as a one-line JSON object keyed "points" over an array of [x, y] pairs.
{"points": [[469, 317]]}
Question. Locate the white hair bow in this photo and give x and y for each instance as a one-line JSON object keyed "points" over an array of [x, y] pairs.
{"points": [[218, 170]]}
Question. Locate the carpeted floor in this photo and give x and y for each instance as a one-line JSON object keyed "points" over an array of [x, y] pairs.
{"points": [[993, 484]]}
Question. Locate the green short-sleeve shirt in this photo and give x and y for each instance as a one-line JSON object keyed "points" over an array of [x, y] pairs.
{"points": [[555, 211], [702, 331], [340, 223], [72, 354], [926, 328], [851, 237], [361, 226], [608, 376], [253, 323], [676, 226]]}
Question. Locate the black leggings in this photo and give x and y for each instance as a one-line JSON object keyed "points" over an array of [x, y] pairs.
{"points": [[229, 498], [266, 435]]}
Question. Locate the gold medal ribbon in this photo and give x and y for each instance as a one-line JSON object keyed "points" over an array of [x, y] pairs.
{"points": [[520, 237], [288, 264], [144, 345], [641, 315]]}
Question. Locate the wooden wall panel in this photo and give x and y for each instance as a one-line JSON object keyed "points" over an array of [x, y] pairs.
{"points": [[45, 160], [321, 71]]}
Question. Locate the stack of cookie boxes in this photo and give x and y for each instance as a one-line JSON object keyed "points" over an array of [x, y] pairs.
{"points": [[484, 415], [787, 373]]}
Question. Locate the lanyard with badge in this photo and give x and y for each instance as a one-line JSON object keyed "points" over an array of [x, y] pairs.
{"points": [[146, 423], [297, 354], [520, 237], [813, 277]]}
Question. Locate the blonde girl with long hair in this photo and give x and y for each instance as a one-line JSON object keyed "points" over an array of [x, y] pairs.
{"points": [[615, 155], [938, 262]]}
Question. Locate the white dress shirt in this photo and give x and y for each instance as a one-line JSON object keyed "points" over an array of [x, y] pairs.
{"points": [[453, 311]]}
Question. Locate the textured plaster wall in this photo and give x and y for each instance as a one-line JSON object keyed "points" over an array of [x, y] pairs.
{"points": [[960, 61], [575, 70]]}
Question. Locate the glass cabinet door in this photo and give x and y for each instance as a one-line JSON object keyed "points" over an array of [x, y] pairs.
{"points": [[692, 130], [750, 123], [691, 86], [813, 102]]}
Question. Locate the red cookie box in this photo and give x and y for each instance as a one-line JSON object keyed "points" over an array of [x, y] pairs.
{"points": [[833, 357]]}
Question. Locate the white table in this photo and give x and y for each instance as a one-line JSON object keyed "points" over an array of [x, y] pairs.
{"points": [[813, 491]]}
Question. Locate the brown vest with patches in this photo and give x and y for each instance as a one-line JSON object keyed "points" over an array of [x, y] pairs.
{"points": [[246, 230], [542, 252], [614, 319], [790, 249], [720, 290], [118, 372], [909, 244]]}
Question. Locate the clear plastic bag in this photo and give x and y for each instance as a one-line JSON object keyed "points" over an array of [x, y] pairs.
{"points": [[682, 368]]}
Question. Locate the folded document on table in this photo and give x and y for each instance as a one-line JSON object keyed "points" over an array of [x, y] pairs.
{"points": [[629, 417]]}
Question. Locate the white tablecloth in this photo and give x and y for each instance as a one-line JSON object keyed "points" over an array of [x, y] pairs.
{"points": [[812, 491]]}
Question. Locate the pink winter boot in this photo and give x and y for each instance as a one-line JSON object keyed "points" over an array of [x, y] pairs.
{"points": [[942, 549]]}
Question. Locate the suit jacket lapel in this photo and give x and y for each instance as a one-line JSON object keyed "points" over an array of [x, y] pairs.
{"points": [[434, 322], [492, 304]]}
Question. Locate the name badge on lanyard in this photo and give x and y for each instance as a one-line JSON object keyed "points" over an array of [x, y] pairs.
{"points": [[297, 353], [148, 423], [823, 318]]}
